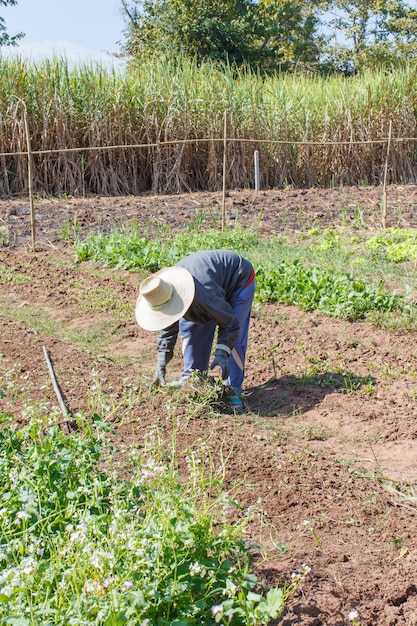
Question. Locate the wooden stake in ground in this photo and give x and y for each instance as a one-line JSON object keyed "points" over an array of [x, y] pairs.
{"points": [[62, 404], [384, 193], [224, 170], [30, 179]]}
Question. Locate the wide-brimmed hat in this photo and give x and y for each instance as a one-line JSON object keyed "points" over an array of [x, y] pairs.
{"points": [[164, 297]]}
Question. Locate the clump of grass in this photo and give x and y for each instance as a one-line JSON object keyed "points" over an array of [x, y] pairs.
{"points": [[8, 276], [199, 396], [313, 433], [4, 236]]}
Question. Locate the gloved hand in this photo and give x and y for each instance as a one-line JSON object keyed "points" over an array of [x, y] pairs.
{"points": [[221, 359], [160, 370]]}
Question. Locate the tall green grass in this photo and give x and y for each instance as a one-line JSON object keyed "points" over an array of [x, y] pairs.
{"points": [[90, 106]]}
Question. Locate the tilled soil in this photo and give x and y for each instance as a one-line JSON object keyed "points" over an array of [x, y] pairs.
{"points": [[311, 451]]}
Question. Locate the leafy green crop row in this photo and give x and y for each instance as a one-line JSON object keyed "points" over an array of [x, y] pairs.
{"points": [[131, 251], [339, 295], [335, 293]]}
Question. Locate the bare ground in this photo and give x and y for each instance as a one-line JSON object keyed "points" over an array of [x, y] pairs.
{"points": [[306, 449]]}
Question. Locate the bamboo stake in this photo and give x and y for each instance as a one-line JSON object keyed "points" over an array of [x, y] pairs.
{"points": [[224, 171], [384, 192], [30, 179], [62, 405]]}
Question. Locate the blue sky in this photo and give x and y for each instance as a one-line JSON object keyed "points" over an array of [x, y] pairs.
{"points": [[80, 29]]}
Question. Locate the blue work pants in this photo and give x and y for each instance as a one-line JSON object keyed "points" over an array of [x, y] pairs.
{"points": [[197, 342]]}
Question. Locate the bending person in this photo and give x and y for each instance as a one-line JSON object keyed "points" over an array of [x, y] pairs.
{"points": [[204, 291]]}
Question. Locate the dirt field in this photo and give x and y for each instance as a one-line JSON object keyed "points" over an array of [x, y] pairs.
{"points": [[306, 450]]}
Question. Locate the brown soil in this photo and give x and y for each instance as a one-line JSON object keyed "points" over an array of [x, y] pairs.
{"points": [[306, 449]]}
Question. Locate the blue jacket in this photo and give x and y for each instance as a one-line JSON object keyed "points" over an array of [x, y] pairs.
{"points": [[219, 276]]}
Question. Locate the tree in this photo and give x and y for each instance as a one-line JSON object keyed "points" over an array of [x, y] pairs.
{"points": [[5, 39], [402, 26], [290, 33], [266, 34], [374, 31]]}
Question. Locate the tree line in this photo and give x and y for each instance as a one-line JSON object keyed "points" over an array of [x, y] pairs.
{"points": [[269, 35], [323, 36]]}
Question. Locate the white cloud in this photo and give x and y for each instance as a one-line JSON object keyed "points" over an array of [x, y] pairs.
{"points": [[74, 55]]}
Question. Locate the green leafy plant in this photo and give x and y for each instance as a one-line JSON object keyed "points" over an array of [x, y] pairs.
{"points": [[339, 295], [122, 251], [129, 250], [329, 240], [82, 545], [291, 280], [395, 244]]}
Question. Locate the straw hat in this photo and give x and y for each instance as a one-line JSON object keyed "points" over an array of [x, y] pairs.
{"points": [[164, 297]]}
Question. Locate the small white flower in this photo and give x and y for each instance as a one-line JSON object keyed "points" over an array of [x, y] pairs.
{"points": [[6, 591], [107, 582], [128, 584], [195, 568], [353, 615], [89, 587], [23, 515]]}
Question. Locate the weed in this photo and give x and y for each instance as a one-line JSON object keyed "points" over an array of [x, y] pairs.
{"points": [[199, 395], [102, 299], [313, 433], [70, 232], [38, 319], [404, 492], [10, 276], [359, 219], [112, 405], [395, 244], [351, 382], [197, 222], [4, 236]]}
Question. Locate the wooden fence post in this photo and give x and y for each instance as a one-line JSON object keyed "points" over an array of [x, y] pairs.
{"points": [[30, 176], [384, 191], [224, 170]]}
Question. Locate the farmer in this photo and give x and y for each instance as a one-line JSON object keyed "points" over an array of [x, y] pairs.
{"points": [[205, 290]]}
